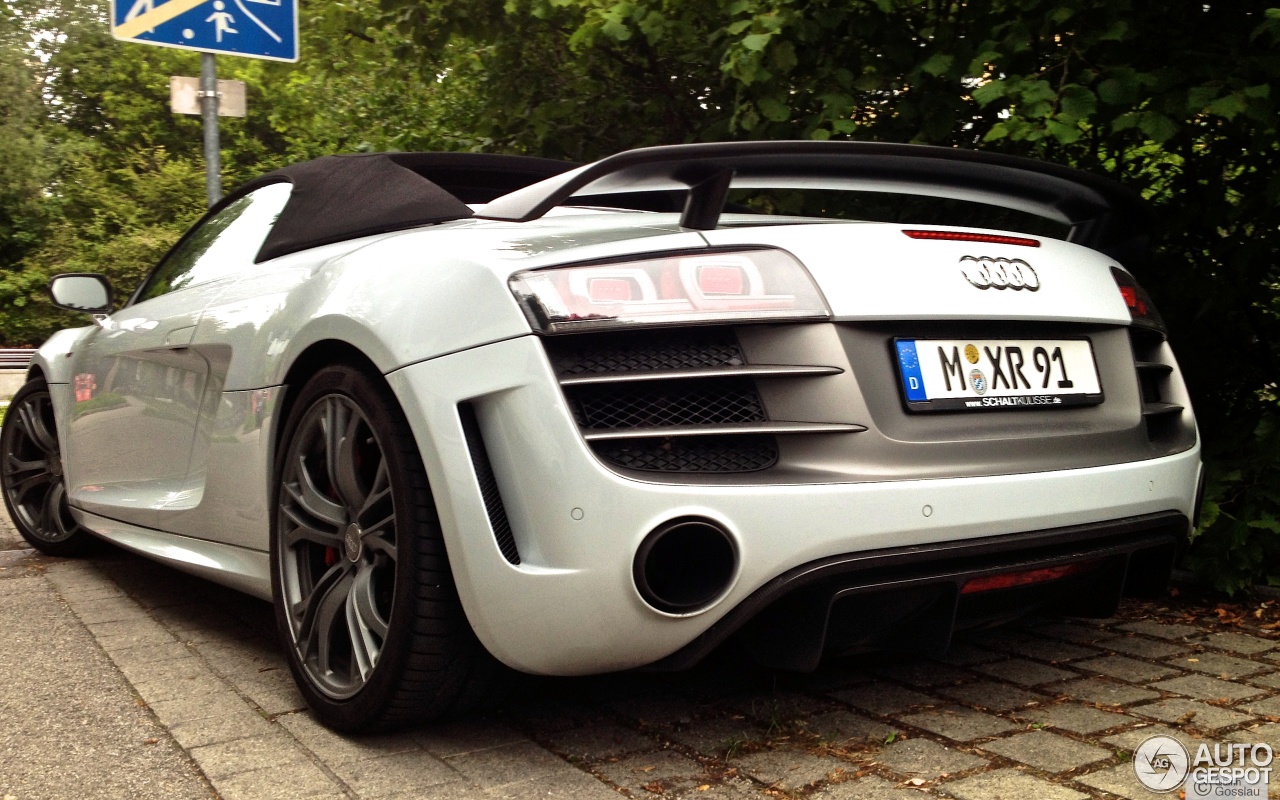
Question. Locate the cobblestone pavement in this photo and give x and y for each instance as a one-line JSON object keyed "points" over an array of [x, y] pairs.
{"points": [[1049, 709]]}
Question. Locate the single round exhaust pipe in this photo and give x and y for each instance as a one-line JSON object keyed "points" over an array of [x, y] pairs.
{"points": [[684, 565]]}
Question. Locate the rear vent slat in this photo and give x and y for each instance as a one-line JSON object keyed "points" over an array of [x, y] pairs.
{"points": [[744, 371], [711, 430], [1160, 409], [681, 400]]}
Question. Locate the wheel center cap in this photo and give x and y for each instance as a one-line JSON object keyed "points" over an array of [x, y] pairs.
{"points": [[353, 541], [55, 468]]}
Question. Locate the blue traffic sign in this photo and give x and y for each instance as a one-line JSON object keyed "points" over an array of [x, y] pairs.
{"points": [[253, 28]]}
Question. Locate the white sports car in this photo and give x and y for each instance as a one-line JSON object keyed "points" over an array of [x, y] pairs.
{"points": [[454, 412]]}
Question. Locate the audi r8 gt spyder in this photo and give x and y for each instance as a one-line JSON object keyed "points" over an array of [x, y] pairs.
{"points": [[457, 415]]}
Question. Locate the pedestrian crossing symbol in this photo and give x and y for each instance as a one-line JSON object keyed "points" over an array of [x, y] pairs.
{"points": [[252, 28]]}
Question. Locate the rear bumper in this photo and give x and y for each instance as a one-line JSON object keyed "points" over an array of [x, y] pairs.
{"points": [[569, 604], [914, 598]]}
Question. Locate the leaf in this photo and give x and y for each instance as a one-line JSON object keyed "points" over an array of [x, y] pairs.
{"points": [[1157, 127], [820, 134], [997, 132], [1062, 132], [773, 109], [989, 92], [937, 64], [1078, 102], [1115, 31], [784, 56], [1229, 106], [756, 41], [1267, 523], [981, 60], [1200, 96]]}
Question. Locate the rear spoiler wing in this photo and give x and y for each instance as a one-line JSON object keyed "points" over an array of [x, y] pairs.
{"points": [[1102, 214]]}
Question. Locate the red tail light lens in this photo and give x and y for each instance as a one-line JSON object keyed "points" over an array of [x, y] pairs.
{"points": [[1009, 580], [679, 289], [1141, 309]]}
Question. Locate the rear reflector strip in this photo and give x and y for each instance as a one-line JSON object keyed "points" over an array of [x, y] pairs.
{"points": [[1010, 579], [958, 236]]}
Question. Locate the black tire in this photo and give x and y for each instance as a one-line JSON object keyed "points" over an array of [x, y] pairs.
{"points": [[365, 601], [31, 480]]}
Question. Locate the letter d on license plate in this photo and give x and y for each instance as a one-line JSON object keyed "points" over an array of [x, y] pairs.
{"points": [[997, 374]]}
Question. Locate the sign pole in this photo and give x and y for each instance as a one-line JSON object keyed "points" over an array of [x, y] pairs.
{"points": [[209, 112]]}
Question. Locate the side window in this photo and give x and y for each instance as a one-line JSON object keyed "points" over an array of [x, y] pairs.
{"points": [[225, 243]]}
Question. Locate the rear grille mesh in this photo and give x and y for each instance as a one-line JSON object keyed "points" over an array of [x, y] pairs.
{"points": [[675, 400], [654, 351], [692, 454], [488, 484], [667, 403]]}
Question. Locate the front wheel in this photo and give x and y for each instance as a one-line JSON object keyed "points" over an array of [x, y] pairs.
{"points": [[31, 475], [365, 601]]}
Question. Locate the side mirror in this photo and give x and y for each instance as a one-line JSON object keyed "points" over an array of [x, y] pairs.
{"points": [[81, 291]]}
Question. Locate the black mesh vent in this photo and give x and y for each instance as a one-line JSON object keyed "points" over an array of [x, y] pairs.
{"points": [[659, 404], [488, 485], [1152, 380], [649, 350], [692, 454]]}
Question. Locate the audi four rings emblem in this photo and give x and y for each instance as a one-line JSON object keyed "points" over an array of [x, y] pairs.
{"points": [[999, 273]]}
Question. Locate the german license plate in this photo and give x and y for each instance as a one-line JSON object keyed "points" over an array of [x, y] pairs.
{"points": [[997, 374]]}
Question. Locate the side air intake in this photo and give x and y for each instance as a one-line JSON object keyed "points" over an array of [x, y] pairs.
{"points": [[488, 484]]}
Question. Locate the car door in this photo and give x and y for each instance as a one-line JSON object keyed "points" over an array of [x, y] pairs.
{"points": [[140, 385]]}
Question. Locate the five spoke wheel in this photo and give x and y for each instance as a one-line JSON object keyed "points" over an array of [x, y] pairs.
{"points": [[337, 528], [31, 474]]}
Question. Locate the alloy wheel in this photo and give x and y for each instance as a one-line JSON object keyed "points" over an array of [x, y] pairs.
{"points": [[32, 463], [337, 527]]}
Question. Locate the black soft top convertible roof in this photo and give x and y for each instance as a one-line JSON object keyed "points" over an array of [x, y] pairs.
{"points": [[336, 198]]}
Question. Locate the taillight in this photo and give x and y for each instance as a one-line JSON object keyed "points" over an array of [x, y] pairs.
{"points": [[751, 285], [1141, 310]]}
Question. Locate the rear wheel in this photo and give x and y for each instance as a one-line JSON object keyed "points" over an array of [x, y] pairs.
{"points": [[31, 475], [365, 601]]}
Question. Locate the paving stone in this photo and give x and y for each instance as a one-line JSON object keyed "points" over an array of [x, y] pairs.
{"points": [[965, 655], [789, 769], [717, 737], [1047, 751], [158, 690], [1206, 717], [960, 724], [114, 609], [992, 696], [845, 728], [1269, 707], [171, 670], [149, 654], [409, 772], [1126, 669], [240, 724], [186, 709], [1009, 784], [1026, 673], [245, 755], [508, 763], [1141, 647], [1203, 687], [599, 741], [1129, 740], [922, 758], [1162, 630], [925, 674], [1102, 692], [1120, 781], [1074, 718], [301, 781], [563, 786], [663, 770], [776, 708], [871, 787], [335, 748], [1228, 667], [445, 739], [1072, 632], [1271, 680], [273, 692], [1028, 646], [1267, 733], [1241, 643], [883, 698]]}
